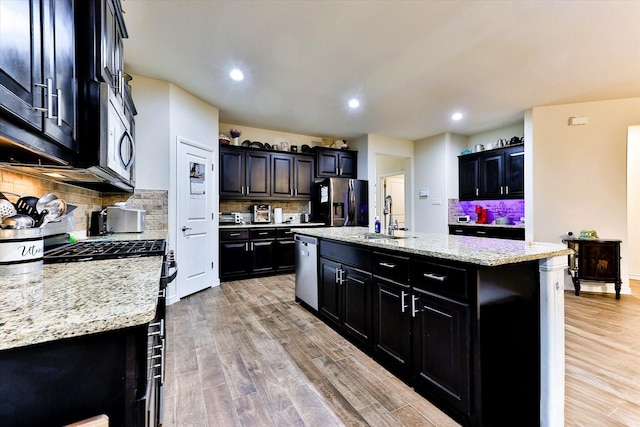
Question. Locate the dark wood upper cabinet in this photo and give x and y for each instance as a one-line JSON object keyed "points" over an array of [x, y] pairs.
{"points": [[250, 173], [493, 174], [38, 92], [333, 162], [244, 174], [292, 176]]}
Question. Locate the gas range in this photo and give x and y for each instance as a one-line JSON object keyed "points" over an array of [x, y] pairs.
{"points": [[92, 250]]}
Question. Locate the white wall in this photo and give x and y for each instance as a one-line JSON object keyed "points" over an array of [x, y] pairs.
{"points": [[166, 112], [369, 148], [436, 165], [152, 132], [492, 136], [578, 174], [270, 136], [633, 200]]}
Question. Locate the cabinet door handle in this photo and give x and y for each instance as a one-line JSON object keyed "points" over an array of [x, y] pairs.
{"points": [[434, 276], [387, 265], [521, 153], [403, 306], [246, 247], [337, 171], [48, 108], [414, 299], [506, 189], [337, 280], [477, 191], [501, 189], [291, 192]]}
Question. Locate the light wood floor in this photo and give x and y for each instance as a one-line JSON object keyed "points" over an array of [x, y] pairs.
{"points": [[244, 354]]}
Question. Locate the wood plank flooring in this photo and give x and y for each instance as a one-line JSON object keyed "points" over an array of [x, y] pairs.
{"points": [[244, 354]]}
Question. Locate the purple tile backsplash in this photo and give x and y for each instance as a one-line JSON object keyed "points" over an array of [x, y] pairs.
{"points": [[514, 209]]}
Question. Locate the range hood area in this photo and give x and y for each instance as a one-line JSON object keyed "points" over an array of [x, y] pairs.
{"points": [[16, 158]]}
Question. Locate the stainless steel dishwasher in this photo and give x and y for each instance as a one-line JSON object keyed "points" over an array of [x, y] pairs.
{"points": [[307, 270]]}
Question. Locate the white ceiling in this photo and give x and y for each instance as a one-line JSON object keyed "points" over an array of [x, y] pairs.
{"points": [[412, 63]]}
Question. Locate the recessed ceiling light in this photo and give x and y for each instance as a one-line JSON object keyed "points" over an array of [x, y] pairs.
{"points": [[236, 75], [456, 116], [354, 103]]}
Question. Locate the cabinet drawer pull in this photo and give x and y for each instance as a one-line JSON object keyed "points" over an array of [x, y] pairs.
{"points": [[233, 234], [386, 264], [481, 232], [433, 276], [264, 233], [403, 306]]}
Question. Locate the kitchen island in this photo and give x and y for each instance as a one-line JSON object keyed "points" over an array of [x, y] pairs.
{"points": [[476, 325], [73, 339]]}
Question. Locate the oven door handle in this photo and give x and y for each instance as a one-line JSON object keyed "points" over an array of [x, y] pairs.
{"points": [[172, 264]]}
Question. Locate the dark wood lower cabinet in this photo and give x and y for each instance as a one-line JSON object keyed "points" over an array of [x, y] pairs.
{"points": [[262, 256], [61, 382], [392, 326], [345, 299], [260, 251], [441, 349], [464, 336]]}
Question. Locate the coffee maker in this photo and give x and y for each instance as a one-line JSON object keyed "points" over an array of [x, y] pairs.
{"points": [[483, 215]]}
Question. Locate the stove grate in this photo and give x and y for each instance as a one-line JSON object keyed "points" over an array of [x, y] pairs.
{"points": [[111, 249]]}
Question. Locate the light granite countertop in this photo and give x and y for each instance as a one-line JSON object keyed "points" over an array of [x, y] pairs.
{"points": [[474, 250], [68, 300], [271, 225], [473, 224]]}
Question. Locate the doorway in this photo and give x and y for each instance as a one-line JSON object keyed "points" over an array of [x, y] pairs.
{"points": [[196, 230], [633, 200], [393, 186]]}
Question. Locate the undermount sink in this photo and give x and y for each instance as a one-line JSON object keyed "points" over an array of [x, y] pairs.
{"points": [[378, 236]]}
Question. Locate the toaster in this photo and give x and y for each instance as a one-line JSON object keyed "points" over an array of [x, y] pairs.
{"points": [[229, 218], [125, 219]]}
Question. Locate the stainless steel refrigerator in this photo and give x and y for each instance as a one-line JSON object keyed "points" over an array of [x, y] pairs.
{"points": [[340, 202]]}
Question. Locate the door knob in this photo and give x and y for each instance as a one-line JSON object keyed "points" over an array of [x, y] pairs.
{"points": [[185, 228]]}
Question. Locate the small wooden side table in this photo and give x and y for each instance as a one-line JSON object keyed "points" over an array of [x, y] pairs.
{"points": [[595, 260]]}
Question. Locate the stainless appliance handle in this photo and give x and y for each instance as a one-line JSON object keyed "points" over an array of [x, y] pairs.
{"points": [[126, 136]]}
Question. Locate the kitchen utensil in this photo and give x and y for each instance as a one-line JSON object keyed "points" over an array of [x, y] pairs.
{"points": [[27, 205], [7, 209], [52, 211], [18, 221], [478, 148], [42, 201]]}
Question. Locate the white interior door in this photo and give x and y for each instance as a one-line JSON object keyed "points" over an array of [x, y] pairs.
{"points": [[194, 242], [394, 187]]}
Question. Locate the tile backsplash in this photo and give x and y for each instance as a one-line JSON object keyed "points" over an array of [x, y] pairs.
{"points": [[87, 201], [512, 208]]}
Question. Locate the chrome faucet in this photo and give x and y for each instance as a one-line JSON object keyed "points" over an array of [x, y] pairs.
{"points": [[388, 204]]}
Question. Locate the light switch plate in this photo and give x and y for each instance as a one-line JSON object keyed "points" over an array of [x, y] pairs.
{"points": [[436, 201]]}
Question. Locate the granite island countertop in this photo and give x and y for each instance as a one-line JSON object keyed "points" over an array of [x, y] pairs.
{"points": [[271, 225], [68, 300], [474, 250]]}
